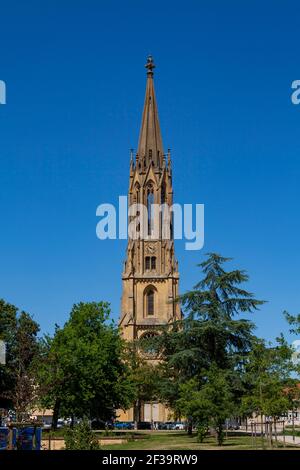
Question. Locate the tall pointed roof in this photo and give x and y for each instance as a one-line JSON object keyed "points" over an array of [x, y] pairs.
{"points": [[150, 145]]}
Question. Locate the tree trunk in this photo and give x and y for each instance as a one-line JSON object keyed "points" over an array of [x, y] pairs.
{"points": [[255, 435], [55, 415], [270, 432], [190, 427], [137, 413], [72, 421], [293, 421], [262, 431], [220, 433], [275, 432]]}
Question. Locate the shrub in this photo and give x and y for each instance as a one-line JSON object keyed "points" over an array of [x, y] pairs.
{"points": [[202, 431], [81, 438]]}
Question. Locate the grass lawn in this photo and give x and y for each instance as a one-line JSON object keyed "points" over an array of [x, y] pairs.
{"points": [[181, 441], [289, 431]]}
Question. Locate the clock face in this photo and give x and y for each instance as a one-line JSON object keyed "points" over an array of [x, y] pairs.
{"points": [[150, 248]]}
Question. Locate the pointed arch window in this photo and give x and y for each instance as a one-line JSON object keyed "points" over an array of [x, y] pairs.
{"points": [[153, 262], [150, 202], [150, 302], [163, 193], [164, 211], [137, 192], [150, 263], [147, 263]]}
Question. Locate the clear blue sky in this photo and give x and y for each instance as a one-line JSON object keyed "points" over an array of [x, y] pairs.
{"points": [[75, 88]]}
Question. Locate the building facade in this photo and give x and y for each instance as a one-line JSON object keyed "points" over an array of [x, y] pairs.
{"points": [[150, 276]]}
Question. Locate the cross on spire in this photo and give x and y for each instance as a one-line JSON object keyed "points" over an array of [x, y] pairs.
{"points": [[150, 65]]}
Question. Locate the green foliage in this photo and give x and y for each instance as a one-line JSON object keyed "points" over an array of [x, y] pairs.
{"points": [[210, 368], [267, 379], [202, 431], [211, 327], [210, 404], [83, 372], [19, 331], [144, 377], [211, 333], [294, 321], [81, 438]]}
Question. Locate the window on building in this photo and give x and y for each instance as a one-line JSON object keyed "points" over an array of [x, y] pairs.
{"points": [[147, 262], [148, 346], [150, 302], [137, 193], [138, 227], [150, 202], [153, 262], [163, 193]]}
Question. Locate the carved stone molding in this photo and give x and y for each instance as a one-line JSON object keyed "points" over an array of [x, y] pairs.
{"points": [[150, 248]]}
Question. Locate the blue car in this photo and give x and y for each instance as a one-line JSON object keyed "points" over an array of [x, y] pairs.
{"points": [[123, 425]]}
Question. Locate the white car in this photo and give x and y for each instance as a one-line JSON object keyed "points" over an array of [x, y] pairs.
{"points": [[179, 426]]}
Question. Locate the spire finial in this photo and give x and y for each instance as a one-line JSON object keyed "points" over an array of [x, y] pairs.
{"points": [[169, 158], [131, 156], [150, 65]]}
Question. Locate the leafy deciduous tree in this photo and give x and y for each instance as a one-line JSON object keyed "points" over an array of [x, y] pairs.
{"points": [[19, 331], [83, 372]]}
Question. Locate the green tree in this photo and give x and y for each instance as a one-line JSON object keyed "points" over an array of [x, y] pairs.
{"points": [[211, 332], [81, 438], [144, 376], [83, 372], [192, 405], [211, 404], [293, 392], [19, 331], [293, 321], [266, 381]]}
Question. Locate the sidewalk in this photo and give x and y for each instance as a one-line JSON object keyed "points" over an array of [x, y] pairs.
{"points": [[289, 440]]}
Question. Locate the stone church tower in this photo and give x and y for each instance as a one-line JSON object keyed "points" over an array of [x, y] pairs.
{"points": [[150, 277]]}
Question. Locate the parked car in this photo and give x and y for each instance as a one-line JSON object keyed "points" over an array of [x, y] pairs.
{"points": [[231, 425], [144, 425], [161, 425], [47, 426], [130, 424], [170, 425], [100, 424], [60, 423], [234, 427], [124, 425], [179, 425]]}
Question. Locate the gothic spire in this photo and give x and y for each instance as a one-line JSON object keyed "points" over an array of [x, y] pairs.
{"points": [[150, 142]]}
